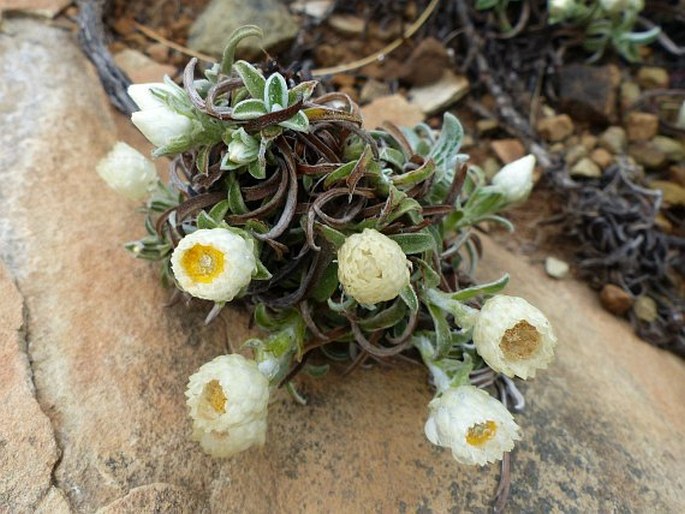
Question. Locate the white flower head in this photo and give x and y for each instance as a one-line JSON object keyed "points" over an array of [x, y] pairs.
{"points": [[213, 264], [228, 399], [158, 123], [477, 427], [515, 180], [514, 337], [372, 268], [127, 171]]}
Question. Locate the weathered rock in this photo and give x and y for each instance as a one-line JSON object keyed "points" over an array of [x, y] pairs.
{"points": [[614, 139], [508, 150], [672, 148], [347, 24], [588, 141], [601, 158], [647, 154], [615, 299], [317, 9], [575, 153], [645, 308], [677, 174], [630, 92], [586, 168], [158, 52], [27, 445], [110, 362], [156, 498], [555, 128], [673, 194], [394, 108], [439, 95], [641, 126], [140, 68], [373, 89], [588, 92], [221, 17], [652, 77], [47, 8], [556, 268], [426, 63], [486, 126]]}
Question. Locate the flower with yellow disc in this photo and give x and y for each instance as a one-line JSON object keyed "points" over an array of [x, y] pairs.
{"points": [[514, 337], [474, 425], [213, 264], [228, 399]]}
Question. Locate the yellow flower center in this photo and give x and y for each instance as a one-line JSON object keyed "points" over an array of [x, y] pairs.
{"points": [[481, 433], [214, 395], [520, 341], [203, 263]]}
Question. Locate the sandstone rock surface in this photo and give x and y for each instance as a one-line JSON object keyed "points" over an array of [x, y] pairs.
{"points": [[221, 17], [602, 429]]}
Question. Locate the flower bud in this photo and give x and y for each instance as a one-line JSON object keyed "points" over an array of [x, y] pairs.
{"points": [[213, 264], [228, 399], [618, 6], [372, 268], [474, 425], [559, 9], [242, 149], [515, 180], [513, 337], [156, 120], [127, 171]]}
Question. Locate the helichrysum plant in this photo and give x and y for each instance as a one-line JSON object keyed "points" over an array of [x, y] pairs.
{"points": [[344, 243]]}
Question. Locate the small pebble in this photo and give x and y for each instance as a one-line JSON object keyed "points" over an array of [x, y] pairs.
{"points": [[556, 268], [615, 300], [645, 309]]}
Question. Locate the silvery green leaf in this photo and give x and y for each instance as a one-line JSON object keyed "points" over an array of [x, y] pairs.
{"points": [[236, 204], [236, 37], [392, 156], [447, 147], [327, 284], [252, 78], [299, 122], [261, 272], [275, 92], [408, 296], [249, 109], [417, 242], [386, 318], [331, 235], [257, 169], [219, 211], [302, 91], [205, 221], [488, 288]]}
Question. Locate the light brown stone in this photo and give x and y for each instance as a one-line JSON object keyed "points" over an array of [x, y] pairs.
{"points": [[556, 128], [647, 154], [615, 299], [586, 168], [601, 158], [602, 427], [140, 68], [394, 108], [652, 77], [508, 150], [437, 96], [641, 126], [46, 8], [614, 139]]}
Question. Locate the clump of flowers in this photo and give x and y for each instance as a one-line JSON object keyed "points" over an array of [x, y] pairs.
{"points": [[345, 243]]}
